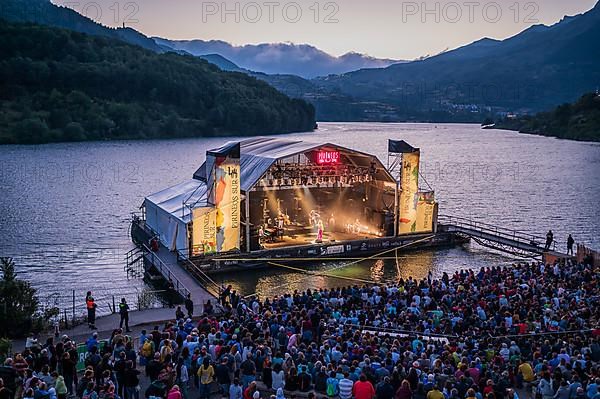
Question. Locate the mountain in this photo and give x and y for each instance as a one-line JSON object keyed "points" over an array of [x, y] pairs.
{"points": [[331, 106], [577, 121], [45, 13], [535, 70], [62, 85], [280, 58], [222, 62]]}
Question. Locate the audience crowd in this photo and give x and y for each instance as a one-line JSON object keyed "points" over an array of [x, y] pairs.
{"points": [[497, 333]]}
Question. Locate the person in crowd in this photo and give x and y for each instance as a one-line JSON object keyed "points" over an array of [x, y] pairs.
{"points": [[277, 377], [174, 393], [189, 306], [345, 386], [131, 381], [205, 374], [235, 390], [363, 388]]}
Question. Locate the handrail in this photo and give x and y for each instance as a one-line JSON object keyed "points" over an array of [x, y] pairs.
{"points": [[515, 235], [179, 287], [144, 226], [205, 277]]}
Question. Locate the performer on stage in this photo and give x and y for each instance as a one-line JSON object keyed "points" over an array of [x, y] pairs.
{"points": [[320, 231]]}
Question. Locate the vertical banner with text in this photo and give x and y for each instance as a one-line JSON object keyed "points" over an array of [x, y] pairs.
{"points": [[227, 202], [425, 212], [204, 234], [409, 194]]}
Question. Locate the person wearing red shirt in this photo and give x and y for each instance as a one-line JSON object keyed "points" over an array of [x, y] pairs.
{"points": [[363, 389]]}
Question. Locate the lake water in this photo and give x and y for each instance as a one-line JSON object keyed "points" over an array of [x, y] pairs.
{"points": [[65, 208]]}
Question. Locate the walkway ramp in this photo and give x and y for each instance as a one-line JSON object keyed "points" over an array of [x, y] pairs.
{"points": [[502, 239], [172, 267]]}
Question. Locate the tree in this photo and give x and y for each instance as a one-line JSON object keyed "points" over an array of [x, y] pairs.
{"points": [[18, 302]]}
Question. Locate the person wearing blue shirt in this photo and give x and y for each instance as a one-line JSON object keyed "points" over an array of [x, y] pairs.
{"points": [[92, 341], [592, 389]]}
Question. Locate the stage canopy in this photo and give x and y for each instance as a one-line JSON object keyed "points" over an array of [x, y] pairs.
{"points": [[258, 154], [167, 215]]}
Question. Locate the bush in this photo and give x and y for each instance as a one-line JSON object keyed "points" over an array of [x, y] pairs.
{"points": [[18, 302]]}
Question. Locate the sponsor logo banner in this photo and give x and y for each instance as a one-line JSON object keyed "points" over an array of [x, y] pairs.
{"points": [[333, 250]]}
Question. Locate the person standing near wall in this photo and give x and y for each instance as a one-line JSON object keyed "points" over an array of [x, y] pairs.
{"points": [[90, 304], [124, 313]]}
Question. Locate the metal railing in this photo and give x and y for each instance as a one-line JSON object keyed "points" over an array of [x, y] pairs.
{"points": [[503, 232], [207, 282], [163, 269], [134, 263], [68, 308]]}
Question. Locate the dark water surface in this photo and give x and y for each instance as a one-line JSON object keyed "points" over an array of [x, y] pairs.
{"points": [[64, 208]]}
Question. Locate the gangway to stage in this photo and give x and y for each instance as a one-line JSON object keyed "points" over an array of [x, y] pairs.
{"points": [[499, 238], [186, 277]]}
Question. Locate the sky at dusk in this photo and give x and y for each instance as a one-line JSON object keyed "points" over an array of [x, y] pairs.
{"points": [[381, 28]]}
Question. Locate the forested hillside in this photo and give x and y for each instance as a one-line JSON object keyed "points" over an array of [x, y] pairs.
{"points": [[578, 121], [61, 85]]}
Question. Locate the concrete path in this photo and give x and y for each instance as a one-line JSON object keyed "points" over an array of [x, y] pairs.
{"points": [[138, 320]]}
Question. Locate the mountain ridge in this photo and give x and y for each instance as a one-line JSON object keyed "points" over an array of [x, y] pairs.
{"points": [[537, 69], [529, 71], [303, 60]]}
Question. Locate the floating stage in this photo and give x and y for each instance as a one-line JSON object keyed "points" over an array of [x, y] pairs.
{"points": [[260, 201]]}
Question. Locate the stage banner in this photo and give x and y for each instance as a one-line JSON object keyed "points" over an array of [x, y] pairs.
{"points": [[409, 186], [227, 202], [425, 211], [204, 231]]}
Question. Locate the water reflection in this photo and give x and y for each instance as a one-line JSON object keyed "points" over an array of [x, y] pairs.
{"points": [[274, 280]]}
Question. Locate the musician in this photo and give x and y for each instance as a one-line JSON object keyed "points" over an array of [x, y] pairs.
{"points": [[280, 225], [314, 218], [357, 226], [261, 234], [331, 223]]}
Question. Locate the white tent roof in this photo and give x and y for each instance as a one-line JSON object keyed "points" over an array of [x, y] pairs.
{"points": [[258, 154], [172, 199]]}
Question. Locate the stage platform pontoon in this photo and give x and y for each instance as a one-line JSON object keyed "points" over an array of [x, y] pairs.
{"points": [[311, 252], [264, 198]]}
